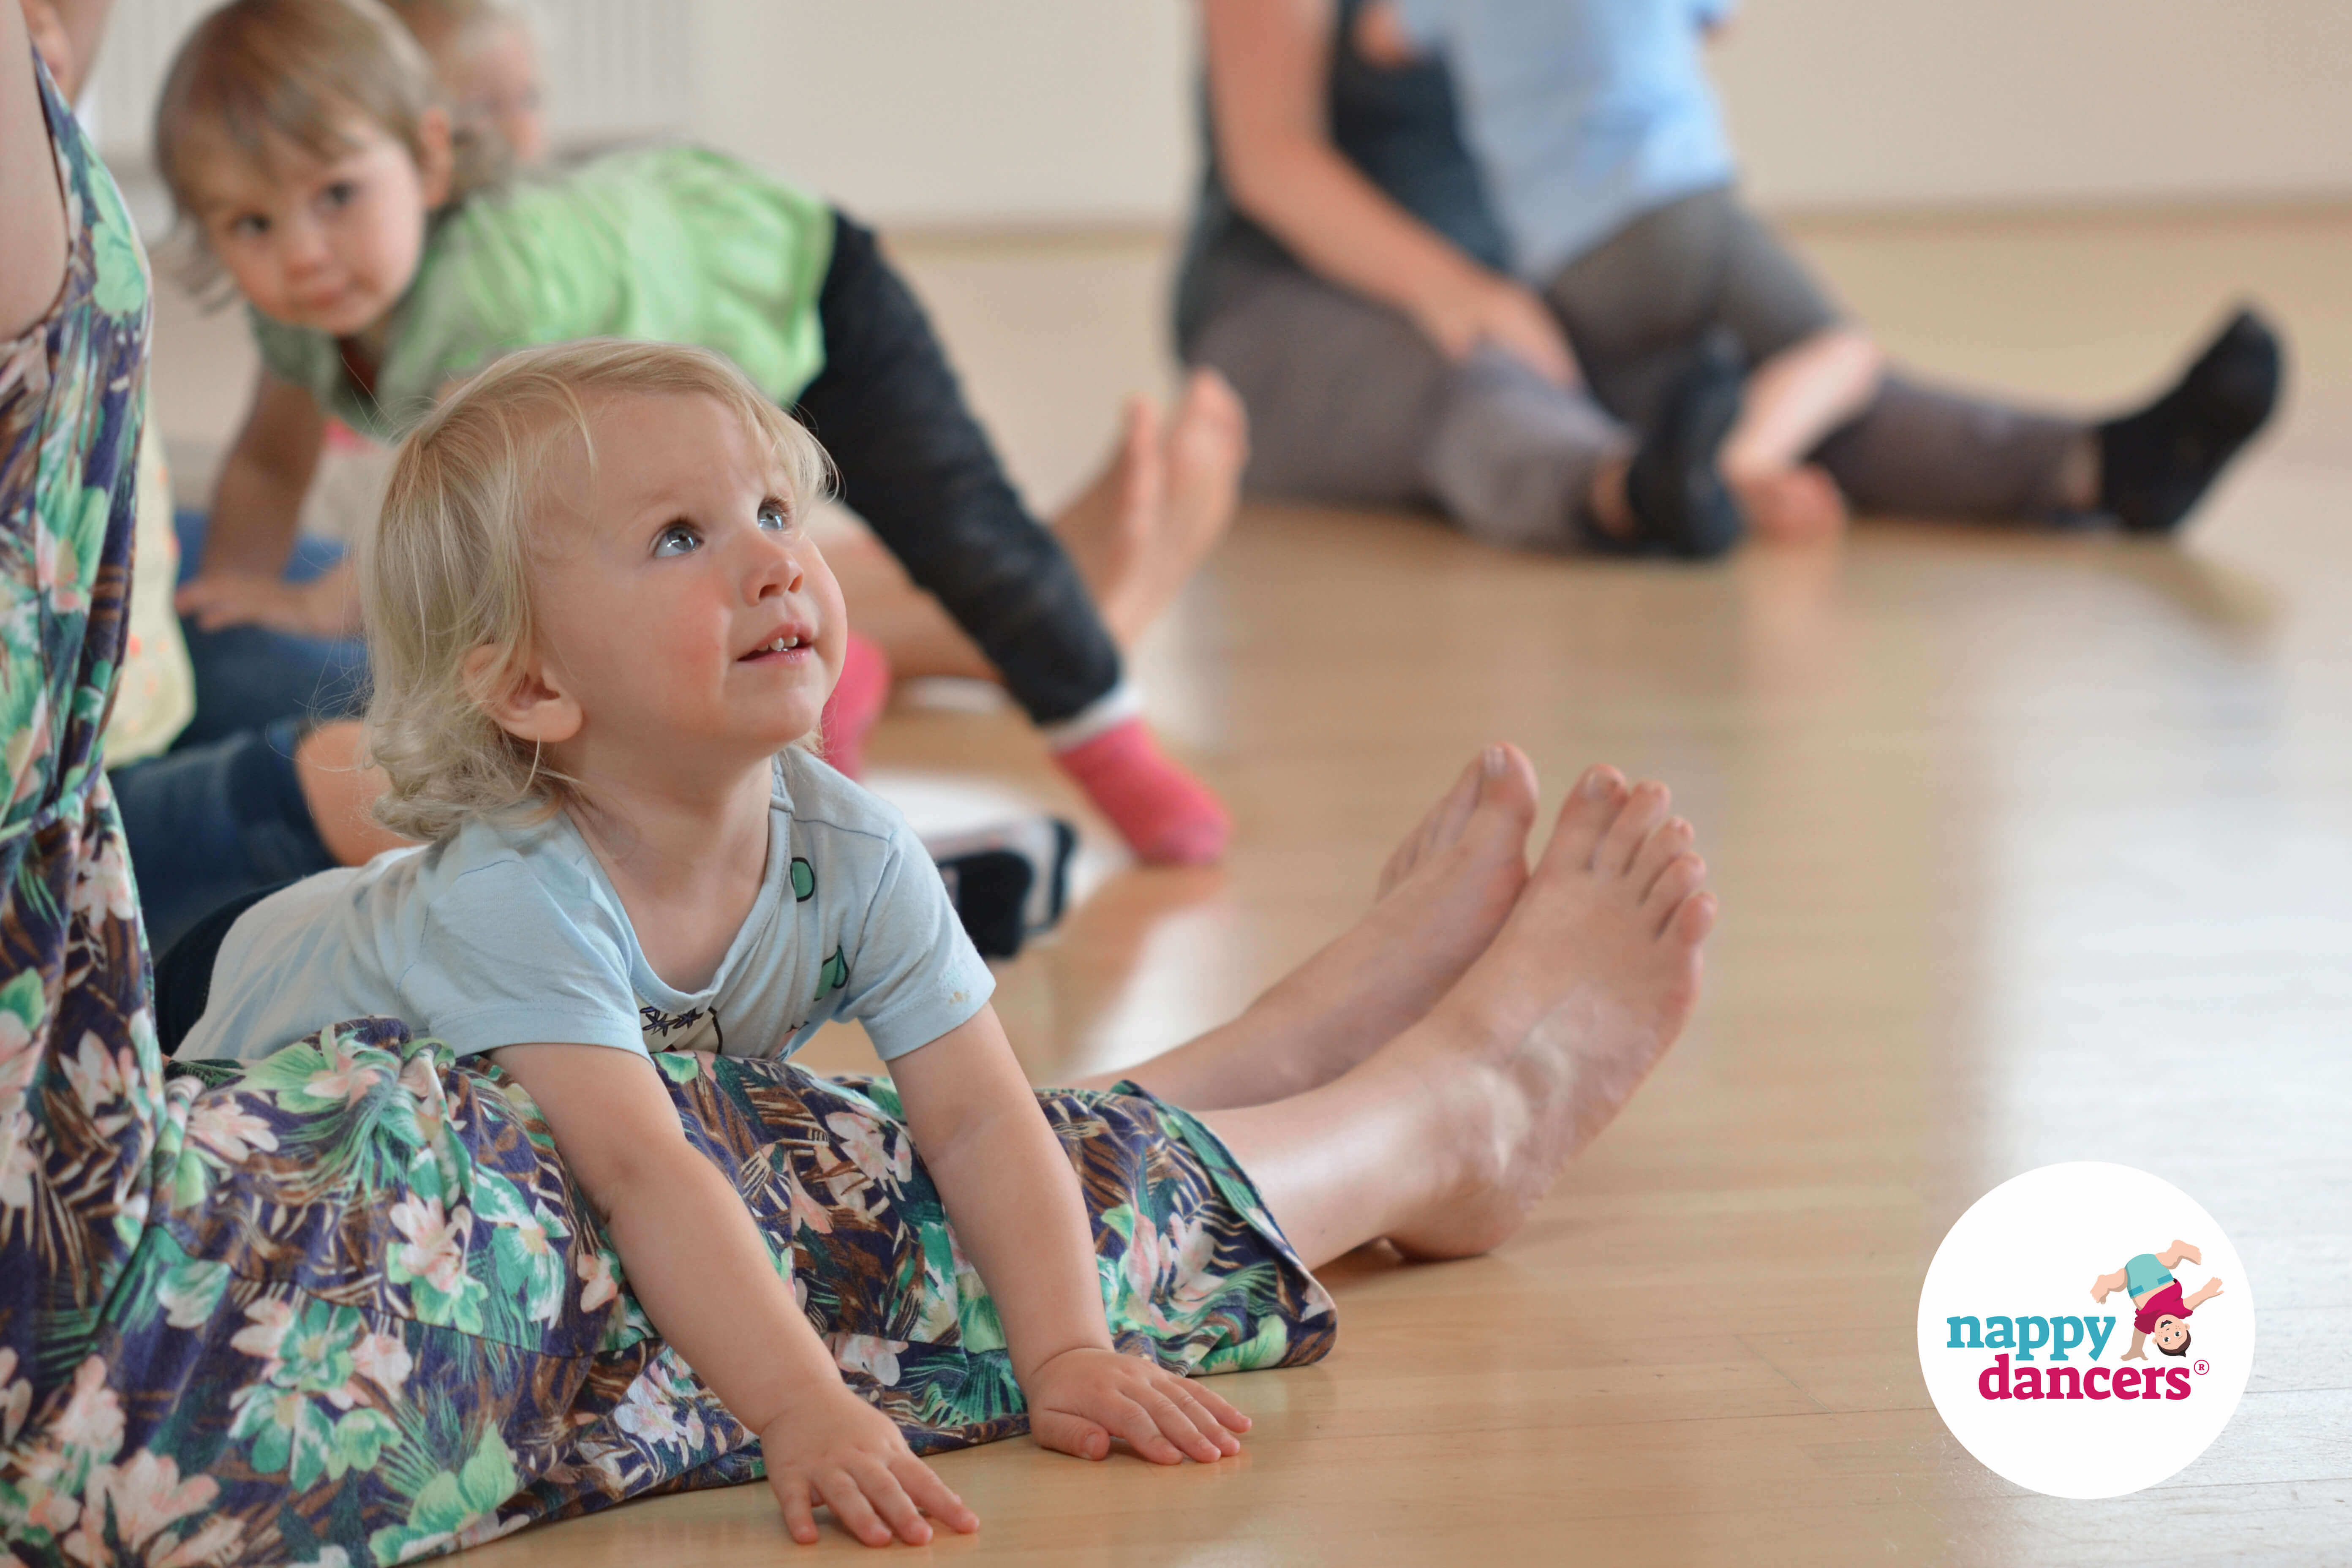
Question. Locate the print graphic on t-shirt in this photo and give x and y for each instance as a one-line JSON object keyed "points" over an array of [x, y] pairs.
{"points": [[804, 880], [833, 976], [681, 1031]]}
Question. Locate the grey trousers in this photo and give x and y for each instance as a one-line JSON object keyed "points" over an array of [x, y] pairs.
{"points": [[1350, 404]]}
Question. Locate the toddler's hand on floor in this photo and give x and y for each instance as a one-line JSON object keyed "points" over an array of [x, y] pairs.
{"points": [[322, 609], [1081, 1399], [842, 1452]]}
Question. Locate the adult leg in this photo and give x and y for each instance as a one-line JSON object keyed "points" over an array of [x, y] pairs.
{"points": [[1928, 452], [1445, 891], [1442, 1139], [1350, 404]]}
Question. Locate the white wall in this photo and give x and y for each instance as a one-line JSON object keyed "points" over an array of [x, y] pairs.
{"points": [[1026, 111], [1862, 103], [958, 112]]}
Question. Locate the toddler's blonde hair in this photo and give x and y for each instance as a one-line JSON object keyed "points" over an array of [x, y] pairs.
{"points": [[449, 567], [299, 71]]}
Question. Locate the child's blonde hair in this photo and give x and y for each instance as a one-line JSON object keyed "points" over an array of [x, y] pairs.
{"points": [[299, 71], [448, 569]]}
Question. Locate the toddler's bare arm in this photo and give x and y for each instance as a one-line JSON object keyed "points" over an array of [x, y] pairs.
{"points": [[1014, 1202], [696, 1260]]}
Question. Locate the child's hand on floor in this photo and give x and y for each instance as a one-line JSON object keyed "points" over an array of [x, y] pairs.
{"points": [[1081, 1399], [842, 1452]]}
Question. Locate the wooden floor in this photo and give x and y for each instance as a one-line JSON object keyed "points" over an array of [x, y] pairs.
{"points": [[2032, 849]]}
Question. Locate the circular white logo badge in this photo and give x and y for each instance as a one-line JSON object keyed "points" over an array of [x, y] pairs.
{"points": [[2086, 1330]]}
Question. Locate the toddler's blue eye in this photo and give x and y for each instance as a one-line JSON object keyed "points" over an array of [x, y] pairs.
{"points": [[773, 516], [249, 225], [339, 194], [678, 539]]}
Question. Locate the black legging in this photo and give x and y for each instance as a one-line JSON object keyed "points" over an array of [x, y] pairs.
{"points": [[916, 465]]}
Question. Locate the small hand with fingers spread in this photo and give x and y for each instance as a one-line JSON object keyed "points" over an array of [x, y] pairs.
{"points": [[842, 1452], [1081, 1399]]}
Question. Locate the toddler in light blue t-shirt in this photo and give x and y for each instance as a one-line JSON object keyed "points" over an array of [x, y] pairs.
{"points": [[504, 932], [599, 637]]}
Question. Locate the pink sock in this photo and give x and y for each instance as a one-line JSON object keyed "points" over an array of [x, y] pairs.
{"points": [[858, 700], [1167, 816]]}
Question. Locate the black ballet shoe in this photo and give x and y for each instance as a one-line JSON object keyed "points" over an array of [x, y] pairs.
{"points": [[2155, 465], [1680, 504]]}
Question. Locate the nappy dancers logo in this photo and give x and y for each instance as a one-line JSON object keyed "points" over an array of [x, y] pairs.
{"points": [[2085, 1330]]}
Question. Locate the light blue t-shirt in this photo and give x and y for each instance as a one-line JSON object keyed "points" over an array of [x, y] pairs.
{"points": [[1584, 114], [502, 935]]}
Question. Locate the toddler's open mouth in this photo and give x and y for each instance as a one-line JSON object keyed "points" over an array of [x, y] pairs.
{"points": [[788, 644]]}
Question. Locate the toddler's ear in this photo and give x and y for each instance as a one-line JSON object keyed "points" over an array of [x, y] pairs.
{"points": [[518, 698]]}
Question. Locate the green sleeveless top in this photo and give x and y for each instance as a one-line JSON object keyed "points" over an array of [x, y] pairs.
{"points": [[665, 244]]}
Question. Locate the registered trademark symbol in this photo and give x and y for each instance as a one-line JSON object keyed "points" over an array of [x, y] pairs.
{"points": [[2203, 1367]]}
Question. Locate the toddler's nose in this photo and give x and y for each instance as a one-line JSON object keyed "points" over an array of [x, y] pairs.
{"points": [[778, 571]]}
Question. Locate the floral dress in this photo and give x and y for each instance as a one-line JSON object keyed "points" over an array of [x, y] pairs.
{"points": [[342, 1304]]}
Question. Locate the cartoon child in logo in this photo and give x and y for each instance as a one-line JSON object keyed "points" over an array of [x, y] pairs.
{"points": [[2156, 1296]]}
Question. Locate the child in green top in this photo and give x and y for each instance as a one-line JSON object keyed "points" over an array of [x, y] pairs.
{"points": [[305, 142]]}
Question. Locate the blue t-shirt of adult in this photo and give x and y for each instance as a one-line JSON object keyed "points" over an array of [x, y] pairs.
{"points": [[1583, 114]]}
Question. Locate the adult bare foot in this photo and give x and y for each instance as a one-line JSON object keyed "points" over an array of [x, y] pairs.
{"points": [[1444, 895], [1159, 505], [1453, 882], [1587, 984], [1447, 890]]}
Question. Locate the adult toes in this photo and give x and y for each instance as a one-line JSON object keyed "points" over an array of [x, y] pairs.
{"points": [[1506, 789], [1442, 824], [1681, 878], [1645, 807], [1693, 919], [1669, 839], [1591, 806]]}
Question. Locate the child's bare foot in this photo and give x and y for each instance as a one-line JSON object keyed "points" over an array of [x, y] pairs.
{"points": [[1791, 506], [1587, 982], [1143, 527]]}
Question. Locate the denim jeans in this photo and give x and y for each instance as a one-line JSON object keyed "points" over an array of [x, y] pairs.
{"points": [[248, 676], [213, 822], [222, 814]]}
